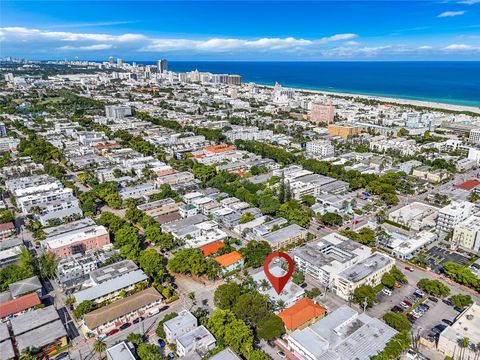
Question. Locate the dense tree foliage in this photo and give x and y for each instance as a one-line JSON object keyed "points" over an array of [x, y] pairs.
{"points": [[364, 295], [395, 347], [461, 274], [461, 300], [231, 331], [255, 253], [398, 321], [434, 287], [365, 236]]}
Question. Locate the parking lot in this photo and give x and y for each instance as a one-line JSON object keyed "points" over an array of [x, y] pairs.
{"points": [[423, 325], [437, 256]]}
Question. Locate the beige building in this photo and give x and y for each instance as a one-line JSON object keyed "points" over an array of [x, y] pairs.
{"points": [[344, 131], [366, 272], [159, 207], [426, 173], [467, 234], [467, 325]]}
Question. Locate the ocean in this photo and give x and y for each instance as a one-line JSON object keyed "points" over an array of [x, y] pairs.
{"points": [[452, 82]]}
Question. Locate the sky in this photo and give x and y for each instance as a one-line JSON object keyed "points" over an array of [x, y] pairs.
{"points": [[241, 30]]}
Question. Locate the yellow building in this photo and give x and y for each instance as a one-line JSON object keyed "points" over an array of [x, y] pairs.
{"points": [[344, 131]]}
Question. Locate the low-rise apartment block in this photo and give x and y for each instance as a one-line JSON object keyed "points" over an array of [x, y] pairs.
{"points": [[77, 241], [121, 311], [326, 258], [452, 214], [366, 272]]}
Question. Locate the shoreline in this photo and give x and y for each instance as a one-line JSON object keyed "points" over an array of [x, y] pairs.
{"points": [[386, 99]]}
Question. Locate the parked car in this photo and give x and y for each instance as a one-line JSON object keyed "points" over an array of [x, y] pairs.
{"points": [[161, 343], [423, 308], [397, 285], [408, 303], [439, 328], [433, 298], [137, 320], [447, 302], [101, 337], [408, 268], [456, 308], [404, 305], [448, 322], [125, 326], [281, 354], [112, 332], [387, 291], [397, 309], [419, 293]]}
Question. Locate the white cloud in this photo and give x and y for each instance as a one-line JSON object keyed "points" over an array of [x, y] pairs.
{"points": [[459, 47], [351, 43], [86, 48], [451, 14], [425, 47], [139, 42], [469, 2], [337, 37], [21, 33], [232, 44]]}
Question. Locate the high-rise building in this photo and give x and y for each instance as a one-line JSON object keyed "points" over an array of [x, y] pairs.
{"points": [[162, 65], [322, 112], [119, 62], [111, 60], [3, 130]]}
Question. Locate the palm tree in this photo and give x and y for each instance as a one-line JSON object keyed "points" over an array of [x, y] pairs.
{"points": [[264, 285], [281, 305], [135, 339], [464, 344], [26, 354], [99, 347]]}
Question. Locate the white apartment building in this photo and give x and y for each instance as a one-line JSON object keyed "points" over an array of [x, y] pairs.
{"points": [[117, 111], [366, 272], [474, 136], [180, 325], [322, 148], [467, 234], [248, 133], [26, 202], [452, 214], [329, 256]]}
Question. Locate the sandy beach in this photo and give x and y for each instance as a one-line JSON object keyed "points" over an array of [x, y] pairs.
{"points": [[429, 104]]}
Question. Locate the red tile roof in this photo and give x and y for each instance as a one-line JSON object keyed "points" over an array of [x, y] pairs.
{"points": [[212, 248], [303, 311], [7, 226], [468, 185], [17, 305], [228, 259]]}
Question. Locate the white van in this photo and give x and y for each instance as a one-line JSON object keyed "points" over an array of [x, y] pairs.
{"points": [[153, 312], [387, 291]]}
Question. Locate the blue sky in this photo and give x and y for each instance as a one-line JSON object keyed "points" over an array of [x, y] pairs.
{"points": [[244, 30]]}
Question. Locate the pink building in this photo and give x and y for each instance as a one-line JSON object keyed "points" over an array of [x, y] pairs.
{"points": [[322, 112], [77, 241]]}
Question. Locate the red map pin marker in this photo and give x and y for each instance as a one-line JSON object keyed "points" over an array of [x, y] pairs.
{"points": [[278, 283]]}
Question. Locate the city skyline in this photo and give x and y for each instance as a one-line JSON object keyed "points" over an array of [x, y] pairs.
{"points": [[246, 31]]}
